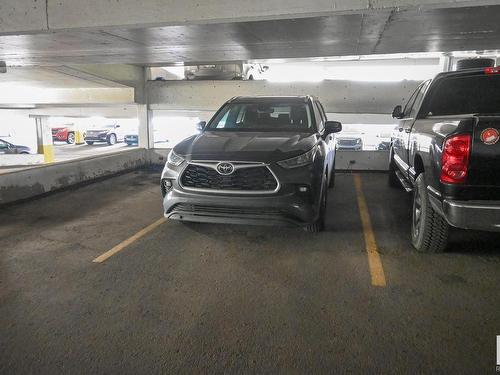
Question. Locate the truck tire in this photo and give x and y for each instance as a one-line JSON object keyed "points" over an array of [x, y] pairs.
{"points": [[429, 230], [319, 224], [71, 138], [392, 178]]}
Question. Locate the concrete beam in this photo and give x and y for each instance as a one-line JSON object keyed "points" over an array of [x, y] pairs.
{"points": [[12, 96], [336, 96], [127, 111], [111, 75], [29, 16]]}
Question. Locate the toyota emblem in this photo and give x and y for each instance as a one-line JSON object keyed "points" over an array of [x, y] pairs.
{"points": [[225, 168]]}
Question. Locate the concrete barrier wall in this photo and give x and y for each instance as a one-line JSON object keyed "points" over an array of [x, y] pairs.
{"points": [[31, 182], [362, 160], [12, 160]]}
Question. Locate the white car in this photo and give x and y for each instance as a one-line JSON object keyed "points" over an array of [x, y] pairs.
{"points": [[235, 71]]}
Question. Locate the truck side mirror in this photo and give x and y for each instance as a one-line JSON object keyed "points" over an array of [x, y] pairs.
{"points": [[201, 125], [397, 112]]}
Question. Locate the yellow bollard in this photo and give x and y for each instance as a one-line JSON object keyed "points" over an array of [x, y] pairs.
{"points": [[79, 138], [48, 153]]}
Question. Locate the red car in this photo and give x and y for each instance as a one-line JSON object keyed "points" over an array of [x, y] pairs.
{"points": [[63, 134]]}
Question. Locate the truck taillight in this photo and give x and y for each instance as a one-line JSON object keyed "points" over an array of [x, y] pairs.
{"points": [[455, 159], [492, 70]]}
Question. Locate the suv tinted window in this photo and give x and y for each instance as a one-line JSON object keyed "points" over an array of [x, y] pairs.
{"points": [[464, 95], [263, 117]]}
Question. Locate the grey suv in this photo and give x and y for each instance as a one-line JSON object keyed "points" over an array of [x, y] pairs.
{"points": [[259, 160]]}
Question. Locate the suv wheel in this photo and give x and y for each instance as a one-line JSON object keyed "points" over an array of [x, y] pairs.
{"points": [[111, 139], [71, 138], [319, 224], [429, 230], [393, 179], [331, 183], [90, 143]]}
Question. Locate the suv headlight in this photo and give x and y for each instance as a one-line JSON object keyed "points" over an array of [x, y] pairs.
{"points": [[299, 161], [174, 159]]}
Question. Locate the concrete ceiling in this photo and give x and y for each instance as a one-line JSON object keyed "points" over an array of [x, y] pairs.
{"points": [[390, 30]]}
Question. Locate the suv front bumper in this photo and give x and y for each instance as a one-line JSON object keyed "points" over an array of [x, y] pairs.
{"points": [[282, 208], [476, 215]]}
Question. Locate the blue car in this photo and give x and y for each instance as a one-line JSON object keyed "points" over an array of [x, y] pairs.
{"points": [[131, 139]]}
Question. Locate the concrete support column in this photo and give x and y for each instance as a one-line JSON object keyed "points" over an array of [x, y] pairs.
{"points": [[146, 138], [45, 144]]}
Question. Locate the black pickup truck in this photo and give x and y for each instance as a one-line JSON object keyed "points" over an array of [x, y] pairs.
{"points": [[446, 150]]}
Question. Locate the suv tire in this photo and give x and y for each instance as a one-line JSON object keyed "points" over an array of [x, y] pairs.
{"points": [[429, 230], [331, 183], [319, 224]]}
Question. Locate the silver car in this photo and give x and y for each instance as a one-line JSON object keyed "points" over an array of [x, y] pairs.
{"points": [[9, 148]]}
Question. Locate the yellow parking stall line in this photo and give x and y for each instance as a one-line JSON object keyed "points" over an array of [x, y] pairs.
{"points": [[374, 262], [122, 245]]}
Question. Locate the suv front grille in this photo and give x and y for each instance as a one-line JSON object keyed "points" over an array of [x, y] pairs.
{"points": [[219, 210], [258, 179]]}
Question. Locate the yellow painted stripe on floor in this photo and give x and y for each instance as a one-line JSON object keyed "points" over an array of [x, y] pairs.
{"points": [[101, 258], [374, 262]]}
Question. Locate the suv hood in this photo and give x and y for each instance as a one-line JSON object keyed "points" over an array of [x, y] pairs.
{"points": [[245, 146]]}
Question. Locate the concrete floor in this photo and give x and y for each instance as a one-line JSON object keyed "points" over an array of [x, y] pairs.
{"points": [[211, 298]]}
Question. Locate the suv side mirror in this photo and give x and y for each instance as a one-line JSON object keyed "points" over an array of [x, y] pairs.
{"points": [[332, 127], [265, 67], [201, 125], [117, 126], [397, 112]]}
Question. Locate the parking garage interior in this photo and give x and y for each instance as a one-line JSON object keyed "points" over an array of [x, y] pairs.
{"points": [[95, 279]]}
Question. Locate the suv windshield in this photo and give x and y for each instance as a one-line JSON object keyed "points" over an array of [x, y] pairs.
{"points": [[465, 95], [282, 116]]}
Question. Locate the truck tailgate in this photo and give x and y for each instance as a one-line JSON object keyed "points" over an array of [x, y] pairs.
{"points": [[485, 155]]}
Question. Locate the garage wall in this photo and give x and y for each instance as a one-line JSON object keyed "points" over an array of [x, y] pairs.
{"points": [[336, 96], [30, 182]]}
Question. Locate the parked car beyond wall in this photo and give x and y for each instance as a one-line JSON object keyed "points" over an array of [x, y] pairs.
{"points": [[9, 148], [64, 134], [109, 134]]}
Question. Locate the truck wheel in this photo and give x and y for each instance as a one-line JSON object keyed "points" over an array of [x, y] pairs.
{"points": [[393, 179], [319, 224], [111, 139], [429, 230], [71, 138], [90, 143]]}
